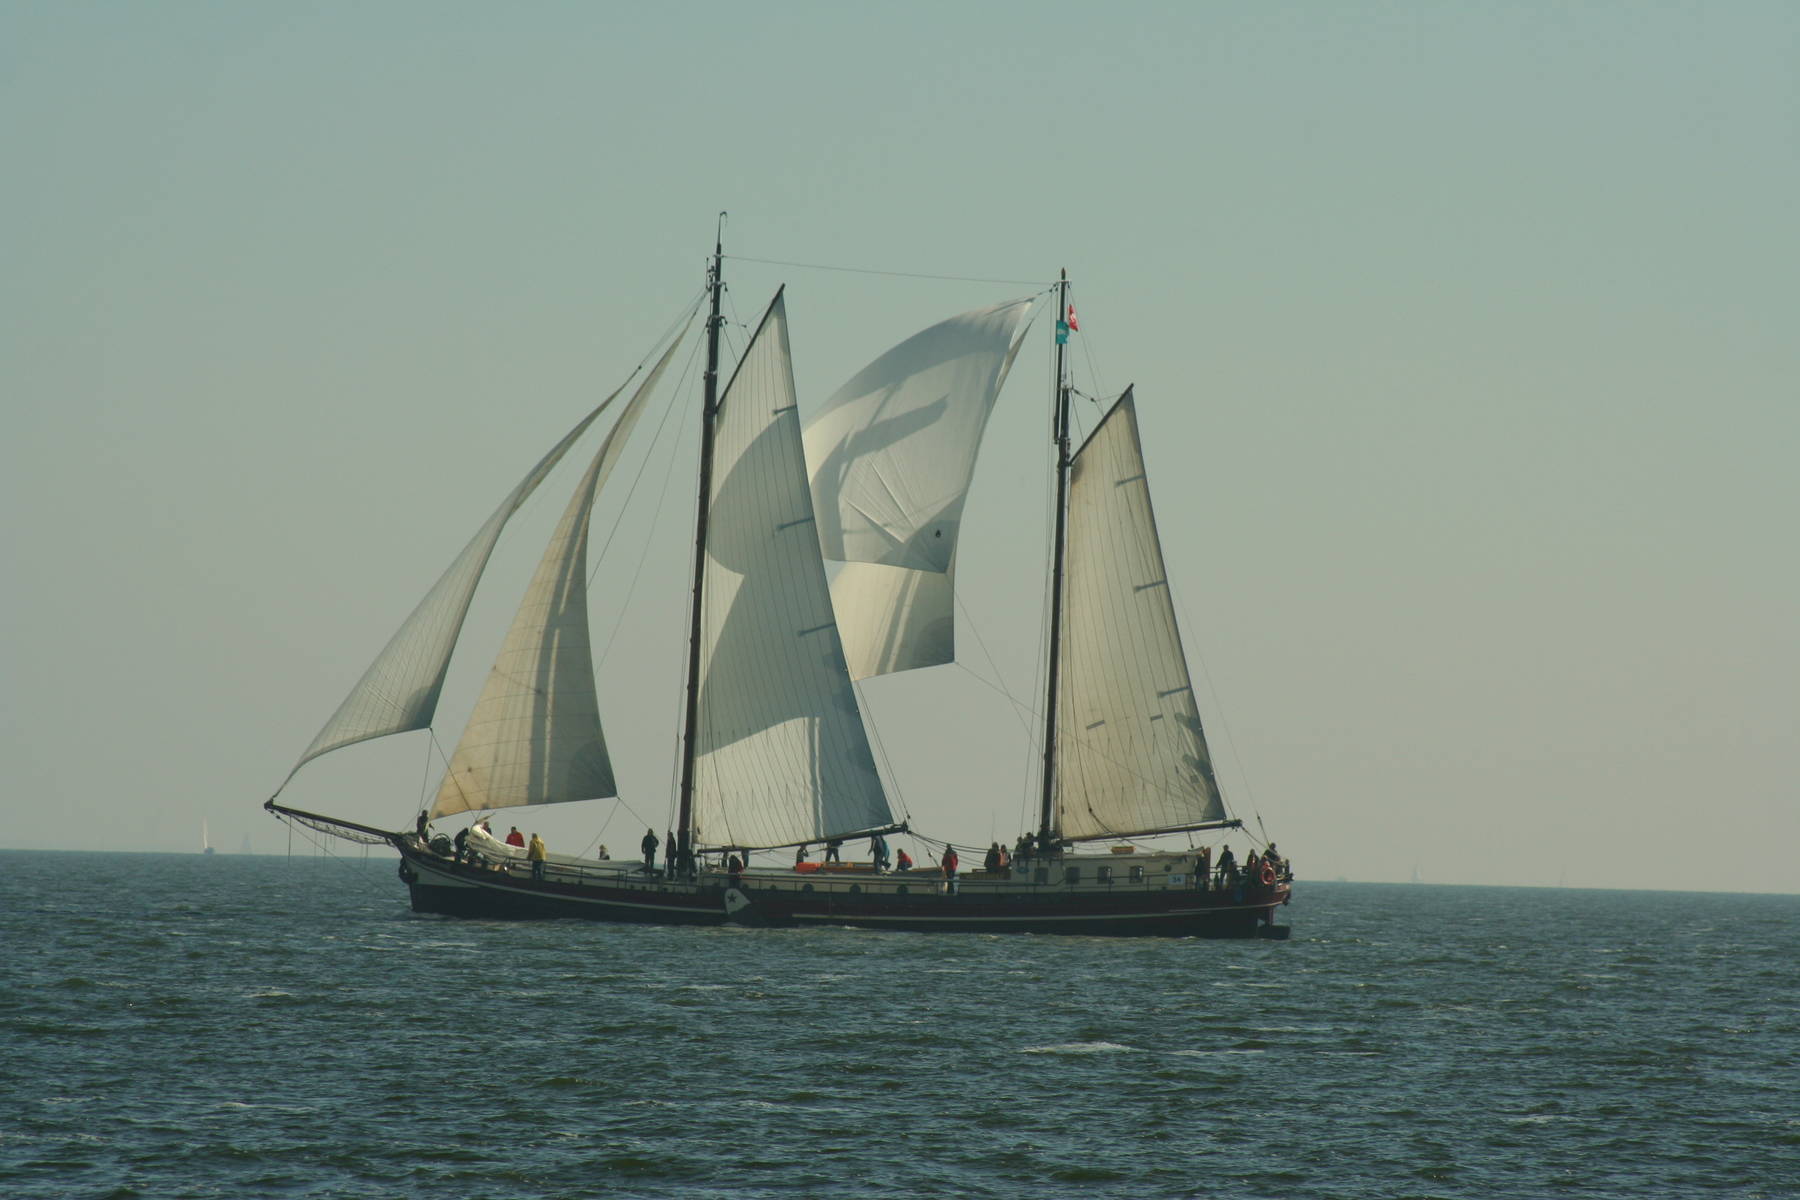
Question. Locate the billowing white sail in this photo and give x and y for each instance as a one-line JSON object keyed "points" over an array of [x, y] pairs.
{"points": [[399, 690], [534, 736], [781, 755], [894, 618], [892, 453], [1131, 756]]}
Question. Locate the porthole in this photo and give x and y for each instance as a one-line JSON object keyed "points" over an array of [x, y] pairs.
{"points": [[1137, 874], [1071, 874], [1105, 874], [806, 887], [902, 890], [856, 889]]}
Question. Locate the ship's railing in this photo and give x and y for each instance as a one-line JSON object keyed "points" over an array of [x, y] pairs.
{"points": [[857, 878]]}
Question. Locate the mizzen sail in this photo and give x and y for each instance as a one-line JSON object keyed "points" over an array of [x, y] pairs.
{"points": [[781, 755], [1132, 756], [892, 453]]}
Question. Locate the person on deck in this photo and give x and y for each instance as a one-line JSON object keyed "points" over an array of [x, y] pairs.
{"points": [[515, 838], [991, 862], [949, 862], [800, 854], [905, 862], [462, 844], [1005, 860], [1203, 867], [649, 845], [878, 855], [603, 855], [734, 867], [669, 855], [537, 852], [1227, 867], [831, 850]]}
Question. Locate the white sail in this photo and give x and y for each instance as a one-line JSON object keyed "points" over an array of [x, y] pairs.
{"points": [[1131, 755], [399, 690], [892, 453], [534, 736], [894, 618], [781, 755]]}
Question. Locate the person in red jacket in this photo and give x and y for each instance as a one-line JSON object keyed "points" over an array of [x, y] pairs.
{"points": [[904, 861], [515, 838], [949, 864]]}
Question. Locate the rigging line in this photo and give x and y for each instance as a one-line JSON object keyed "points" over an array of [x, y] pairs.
{"points": [[778, 262], [1020, 708], [1017, 703], [1219, 707], [322, 849], [675, 392], [887, 766]]}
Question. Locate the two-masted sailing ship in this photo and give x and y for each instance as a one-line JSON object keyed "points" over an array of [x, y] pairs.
{"points": [[774, 750]]}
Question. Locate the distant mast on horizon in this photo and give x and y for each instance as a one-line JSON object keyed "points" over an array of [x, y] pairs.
{"points": [[206, 846]]}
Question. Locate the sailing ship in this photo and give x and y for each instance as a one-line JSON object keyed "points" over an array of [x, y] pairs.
{"points": [[206, 846], [774, 752]]}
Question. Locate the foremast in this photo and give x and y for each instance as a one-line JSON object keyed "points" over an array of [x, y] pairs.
{"points": [[708, 411]]}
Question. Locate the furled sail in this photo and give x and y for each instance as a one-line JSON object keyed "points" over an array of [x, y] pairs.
{"points": [[399, 690], [892, 453], [1131, 755], [781, 755], [534, 736]]}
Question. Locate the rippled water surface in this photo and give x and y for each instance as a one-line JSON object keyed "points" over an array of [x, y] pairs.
{"points": [[236, 1026]]}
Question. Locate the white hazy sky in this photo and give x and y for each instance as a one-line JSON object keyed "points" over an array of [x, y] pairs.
{"points": [[1464, 338]]}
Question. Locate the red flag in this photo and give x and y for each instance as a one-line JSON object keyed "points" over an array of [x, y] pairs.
{"points": [[1073, 323]]}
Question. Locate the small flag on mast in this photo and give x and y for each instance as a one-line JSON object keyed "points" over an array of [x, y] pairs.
{"points": [[1073, 323]]}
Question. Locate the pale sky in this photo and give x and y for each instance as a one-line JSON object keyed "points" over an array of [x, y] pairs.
{"points": [[1464, 338]]}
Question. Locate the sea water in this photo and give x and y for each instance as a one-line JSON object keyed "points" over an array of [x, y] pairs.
{"points": [[234, 1026]]}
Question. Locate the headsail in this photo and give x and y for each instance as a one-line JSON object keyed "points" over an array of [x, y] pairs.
{"points": [[892, 453], [781, 753], [399, 690], [534, 736], [1132, 756]]}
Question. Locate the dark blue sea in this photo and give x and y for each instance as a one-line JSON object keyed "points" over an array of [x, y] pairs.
{"points": [[234, 1026]]}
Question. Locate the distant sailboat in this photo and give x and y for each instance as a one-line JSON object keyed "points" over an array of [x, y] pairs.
{"points": [[773, 749], [206, 846]]}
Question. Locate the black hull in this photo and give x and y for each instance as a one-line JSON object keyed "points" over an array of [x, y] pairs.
{"points": [[778, 901]]}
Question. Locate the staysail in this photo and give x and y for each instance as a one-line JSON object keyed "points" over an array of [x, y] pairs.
{"points": [[781, 755], [399, 690], [892, 453], [1132, 756], [534, 736]]}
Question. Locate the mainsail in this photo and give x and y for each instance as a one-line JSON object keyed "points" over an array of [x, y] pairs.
{"points": [[892, 453], [534, 736], [1132, 756], [399, 690], [781, 755]]}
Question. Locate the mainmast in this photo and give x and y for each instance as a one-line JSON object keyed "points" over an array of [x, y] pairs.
{"points": [[709, 409], [1060, 431]]}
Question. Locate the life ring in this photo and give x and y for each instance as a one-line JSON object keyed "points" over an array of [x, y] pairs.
{"points": [[1267, 875]]}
